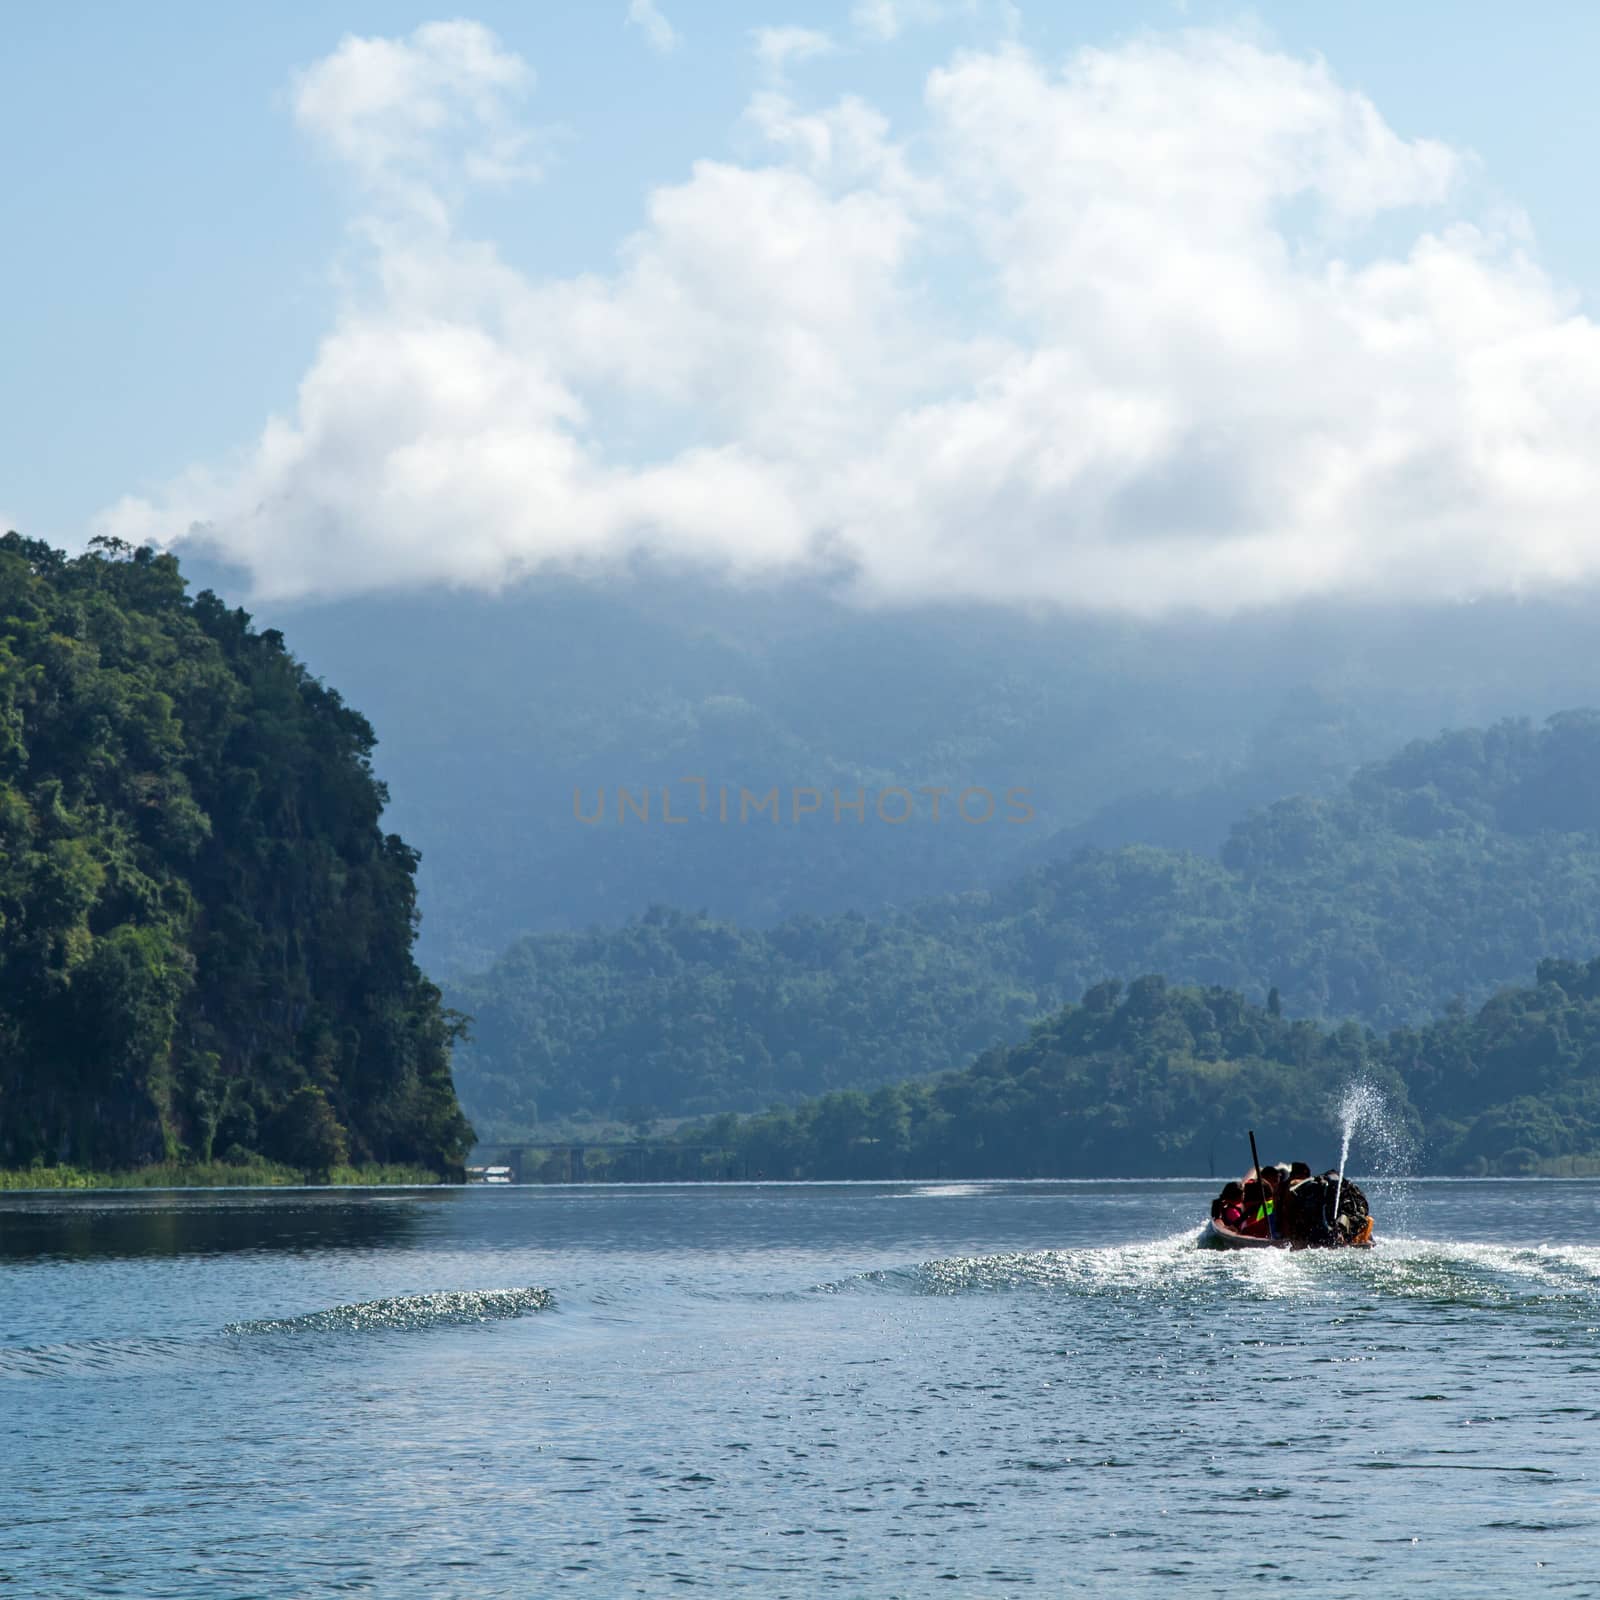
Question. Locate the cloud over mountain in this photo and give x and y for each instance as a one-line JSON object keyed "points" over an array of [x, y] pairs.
{"points": [[1179, 323]]}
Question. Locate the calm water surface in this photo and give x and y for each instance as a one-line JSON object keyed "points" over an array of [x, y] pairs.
{"points": [[873, 1390]]}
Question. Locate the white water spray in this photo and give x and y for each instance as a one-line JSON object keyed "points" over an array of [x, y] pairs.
{"points": [[1364, 1108]]}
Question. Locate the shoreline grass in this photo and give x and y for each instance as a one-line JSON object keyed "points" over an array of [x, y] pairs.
{"points": [[214, 1175], [272, 1175]]}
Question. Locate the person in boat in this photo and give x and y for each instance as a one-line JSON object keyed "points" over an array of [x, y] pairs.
{"points": [[1300, 1206], [1289, 1202], [1228, 1207], [1258, 1208], [1267, 1218]]}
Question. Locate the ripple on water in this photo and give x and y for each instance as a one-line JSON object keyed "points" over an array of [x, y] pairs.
{"points": [[993, 1408], [96, 1358]]}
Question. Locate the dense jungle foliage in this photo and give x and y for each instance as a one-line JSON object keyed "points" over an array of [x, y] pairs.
{"points": [[1162, 1081], [205, 936], [1446, 871]]}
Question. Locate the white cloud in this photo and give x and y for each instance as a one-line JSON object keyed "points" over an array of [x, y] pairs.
{"points": [[1183, 323], [779, 48], [885, 20], [416, 117], [646, 16]]}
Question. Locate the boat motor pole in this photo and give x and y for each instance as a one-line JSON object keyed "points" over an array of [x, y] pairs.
{"points": [[1261, 1184]]}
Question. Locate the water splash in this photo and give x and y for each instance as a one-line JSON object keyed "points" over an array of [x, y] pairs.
{"points": [[1364, 1109], [407, 1312], [1547, 1280]]}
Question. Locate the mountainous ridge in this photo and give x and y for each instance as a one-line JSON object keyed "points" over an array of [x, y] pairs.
{"points": [[495, 708], [1442, 872], [1157, 1080]]}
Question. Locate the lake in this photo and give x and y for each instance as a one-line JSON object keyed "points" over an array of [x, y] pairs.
{"points": [[794, 1390]]}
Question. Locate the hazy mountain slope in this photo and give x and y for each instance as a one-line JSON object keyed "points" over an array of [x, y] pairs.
{"points": [[492, 709], [1447, 870]]}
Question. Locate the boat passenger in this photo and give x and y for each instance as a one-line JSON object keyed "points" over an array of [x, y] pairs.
{"points": [[1257, 1208], [1262, 1218], [1228, 1207]]}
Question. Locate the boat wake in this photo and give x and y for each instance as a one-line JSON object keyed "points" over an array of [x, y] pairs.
{"points": [[154, 1354], [407, 1312], [1158, 1263], [1490, 1276]]}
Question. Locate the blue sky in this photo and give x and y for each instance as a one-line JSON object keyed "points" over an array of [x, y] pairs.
{"points": [[178, 248]]}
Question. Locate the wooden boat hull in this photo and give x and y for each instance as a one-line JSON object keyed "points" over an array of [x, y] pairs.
{"points": [[1217, 1237]]}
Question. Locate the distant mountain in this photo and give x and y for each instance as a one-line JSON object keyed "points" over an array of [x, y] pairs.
{"points": [[492, 711], [205, 936], [1160, 1081], [1443, 872]]}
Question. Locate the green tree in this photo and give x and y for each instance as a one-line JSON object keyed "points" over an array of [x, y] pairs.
{"points": [[199, 912], [308, 1134]]}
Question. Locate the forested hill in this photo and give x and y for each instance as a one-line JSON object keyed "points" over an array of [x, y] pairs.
{"points": [[1162, 1081], [1449, 870], [205, 937]]}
